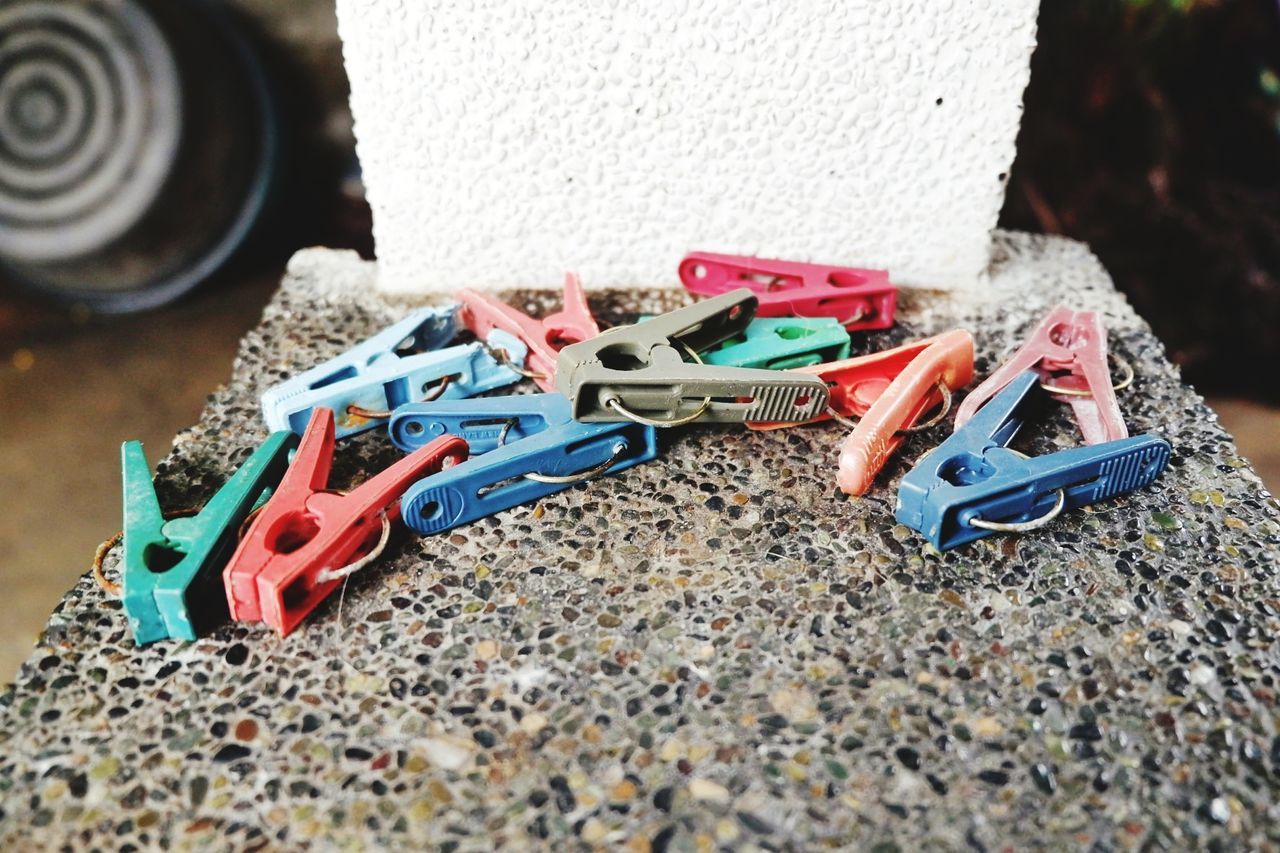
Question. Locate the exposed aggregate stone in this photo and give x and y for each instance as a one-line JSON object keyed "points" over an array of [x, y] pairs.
{"points": [[713, 650]]}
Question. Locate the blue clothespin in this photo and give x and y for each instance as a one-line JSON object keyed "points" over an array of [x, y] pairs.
{"points": [[972, 485], [486, 423], [781, 343], [171, 571], [555, 453], [401, 364]]}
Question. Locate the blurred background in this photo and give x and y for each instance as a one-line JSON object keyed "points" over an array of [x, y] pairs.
{"points": [[161, 159]]}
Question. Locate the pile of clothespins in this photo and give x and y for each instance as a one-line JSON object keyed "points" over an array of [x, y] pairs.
{"points": [[767, 348]]}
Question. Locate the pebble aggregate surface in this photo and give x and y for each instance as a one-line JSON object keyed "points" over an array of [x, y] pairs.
{"points": [[715, 650]]}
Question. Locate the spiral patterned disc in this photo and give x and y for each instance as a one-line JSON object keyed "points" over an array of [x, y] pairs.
{"points": [[90, 118]]}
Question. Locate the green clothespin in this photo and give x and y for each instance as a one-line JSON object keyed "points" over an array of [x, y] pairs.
{"points": [[781, 343], [171, 570]]}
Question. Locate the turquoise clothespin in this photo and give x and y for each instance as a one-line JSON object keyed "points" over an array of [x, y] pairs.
{"points": [[781, 343], [170, 573]]}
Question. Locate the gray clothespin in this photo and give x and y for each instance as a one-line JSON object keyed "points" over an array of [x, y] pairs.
{"points": [[640, 372]]}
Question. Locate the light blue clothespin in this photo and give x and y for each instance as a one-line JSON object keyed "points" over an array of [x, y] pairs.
{"points": [[401, 364], [781, 343], [528, 445]]}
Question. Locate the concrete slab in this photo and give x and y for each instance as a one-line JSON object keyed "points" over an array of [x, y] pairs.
{"points": [[713, 649]]}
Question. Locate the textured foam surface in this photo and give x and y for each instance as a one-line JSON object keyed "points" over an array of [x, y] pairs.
{"points": [[715, 649], [503, 144]]}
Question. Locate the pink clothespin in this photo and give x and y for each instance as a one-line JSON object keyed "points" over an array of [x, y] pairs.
{"points": [[890, 391], [545, 338], [1069, 351], [858, 298]]}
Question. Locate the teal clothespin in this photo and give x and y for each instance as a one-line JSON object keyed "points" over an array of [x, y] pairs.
{"points": [[170, 572], [781, 343]]}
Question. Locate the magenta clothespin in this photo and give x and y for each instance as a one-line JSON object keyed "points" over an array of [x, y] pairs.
{"points": [[545, 338], [1069, 351], [859, 299]]}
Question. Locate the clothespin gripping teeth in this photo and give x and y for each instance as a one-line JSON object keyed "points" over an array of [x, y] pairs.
{"points": [[308, 538], [170, 580]]}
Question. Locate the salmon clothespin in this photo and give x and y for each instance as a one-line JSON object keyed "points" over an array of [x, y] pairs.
{"points": [[860, 299], [573, 323], [170, 582], [306, 539], [890, 392], [973, 485], [1068, 349]]}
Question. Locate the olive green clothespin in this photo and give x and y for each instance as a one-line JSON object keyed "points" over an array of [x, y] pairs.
{"points": [[171, 569], [640, 372]]}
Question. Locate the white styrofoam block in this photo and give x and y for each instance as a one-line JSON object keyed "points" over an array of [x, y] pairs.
{"points": [[505, 142]]}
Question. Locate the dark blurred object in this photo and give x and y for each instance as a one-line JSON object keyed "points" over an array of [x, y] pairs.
{"points": [[138, 147], [145, 145], [1152, 132]]}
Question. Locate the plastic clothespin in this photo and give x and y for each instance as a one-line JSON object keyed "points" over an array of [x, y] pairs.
{"points": [[400, 364], [890, 392], [640, 372], [859, 299], [1070, 341], [306, 539], [781, 343], [170, 582], [485, 423], [972, 485], [543, 338], [555, 453]]}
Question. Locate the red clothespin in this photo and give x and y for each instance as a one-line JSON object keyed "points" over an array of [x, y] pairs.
{"points": [[1069, 351], [890, 391], [306, 539], [545, 338], [859, 299]]}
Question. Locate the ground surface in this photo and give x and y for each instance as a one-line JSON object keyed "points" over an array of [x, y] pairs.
{"points": [[712, 648]]}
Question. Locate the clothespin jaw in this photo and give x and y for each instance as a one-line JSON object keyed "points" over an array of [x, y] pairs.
{"points": [[170, 580], [485, 423], [639, 372], [375, 377], [484, 315], [1070, 342], [517, 473], [306, 539], [859, 299], [972, 478]]}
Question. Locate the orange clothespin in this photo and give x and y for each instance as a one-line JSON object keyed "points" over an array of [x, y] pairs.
{"points": [[890, 391], [482, 314]]}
